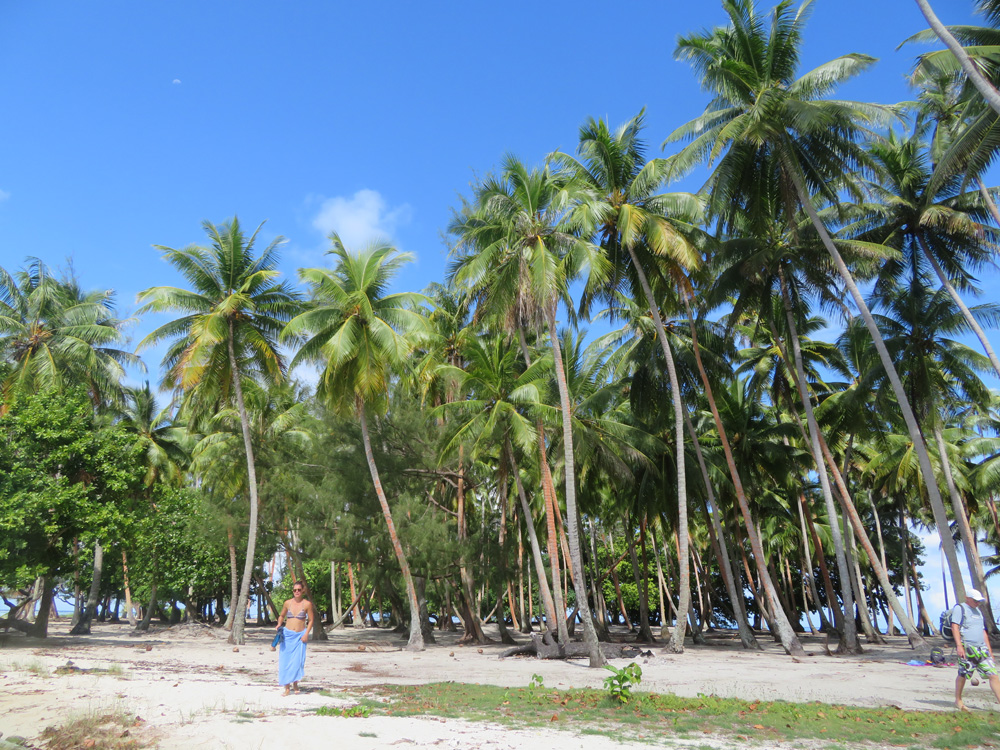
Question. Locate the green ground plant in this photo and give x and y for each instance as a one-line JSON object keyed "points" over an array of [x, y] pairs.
{"points": [[620, 682]]}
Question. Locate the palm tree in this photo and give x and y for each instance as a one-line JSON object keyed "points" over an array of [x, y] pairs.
{"points": [[628, 216], [771, 131], [360, 335], [499, 394], [929, 219], [232, 315], [523, 255], [53, 333]]}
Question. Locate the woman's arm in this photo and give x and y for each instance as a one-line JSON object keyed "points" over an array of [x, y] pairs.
{"points": [[281, 615], [310, 616]]}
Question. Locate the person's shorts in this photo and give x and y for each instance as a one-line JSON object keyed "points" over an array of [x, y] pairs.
{"points": [[976, 660]]}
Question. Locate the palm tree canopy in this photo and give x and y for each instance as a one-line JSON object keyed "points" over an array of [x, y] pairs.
{"points": [[354, 330], [764, 122], [235, 297], [53, 333]]}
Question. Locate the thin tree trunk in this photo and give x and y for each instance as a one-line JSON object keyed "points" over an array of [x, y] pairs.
{"points": [[964, 530], [677, 637], [549, 495], [849, 641], [129, 607], [810, 571], [536, 552], [982, 84], [747, 637], [645, 633], [785, 633], [572, 523], [966, 312], [934, 495], [239, 619], [82, 626], [416, 639]]}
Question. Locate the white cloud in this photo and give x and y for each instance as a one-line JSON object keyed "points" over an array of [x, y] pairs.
{"points": [[363, 217], [4, 195], [177, 80]]}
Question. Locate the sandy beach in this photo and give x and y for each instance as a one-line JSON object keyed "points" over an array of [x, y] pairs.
{"points": [[192, 689]]}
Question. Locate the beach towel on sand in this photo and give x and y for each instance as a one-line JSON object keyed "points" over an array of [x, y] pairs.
{"points": [[291, 657]]}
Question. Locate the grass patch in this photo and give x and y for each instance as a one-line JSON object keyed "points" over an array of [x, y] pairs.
{"points": [[651, 715], [362, 710], [34, 667], [100, 730]]}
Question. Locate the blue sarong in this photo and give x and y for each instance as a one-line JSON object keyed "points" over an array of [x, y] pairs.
{"points": [[291, 657]]}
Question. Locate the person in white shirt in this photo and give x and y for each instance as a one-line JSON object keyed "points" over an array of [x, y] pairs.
{"points": [[975, 655]]}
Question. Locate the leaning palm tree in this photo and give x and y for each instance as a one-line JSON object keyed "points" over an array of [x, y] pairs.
{"points": [[522, 255], [630, 219], [231, 318], [360, 335], [770, 130]]}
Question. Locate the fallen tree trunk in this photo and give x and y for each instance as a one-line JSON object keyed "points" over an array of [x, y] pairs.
{"points": [[546, 648]]}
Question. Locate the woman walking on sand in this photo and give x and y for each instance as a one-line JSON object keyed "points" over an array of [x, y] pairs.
{"points": [[297, 615]]}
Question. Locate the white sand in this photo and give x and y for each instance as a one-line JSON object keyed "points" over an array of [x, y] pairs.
{"points": [[193, 690]]}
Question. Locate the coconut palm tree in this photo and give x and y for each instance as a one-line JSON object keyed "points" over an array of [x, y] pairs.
{"points": [[360, 335], [770, 129], [631, 219], [524, 253], [53, 333], [499, 394], [231, 317]]}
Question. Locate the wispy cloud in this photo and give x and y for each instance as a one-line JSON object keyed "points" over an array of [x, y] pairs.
{"points": [[4, 195], [361, 218]]}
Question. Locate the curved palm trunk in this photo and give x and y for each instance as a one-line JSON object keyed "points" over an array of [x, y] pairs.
{"points": [[966, 312], [849, 641], [991, 205], [552, 534], [684, 593], [964, 530], [572, 523], [983, 86], [786, 635], [881, 573], [239, 621], [416, 640], [234, 580], [933, 493], [536, 551], [747, 637], [809, 572]]}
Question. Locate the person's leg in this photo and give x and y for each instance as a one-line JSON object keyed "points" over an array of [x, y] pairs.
{"points": [[995, 686], [959, 687]]}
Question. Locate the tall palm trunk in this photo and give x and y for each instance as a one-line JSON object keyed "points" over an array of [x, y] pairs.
{"points": [[964, 530], [785, 633], [849, 641], [549, 495], [966, 312], [747, 637], [234, 580], [982, 84], [923, 457], [677, 637], [536, 551], [416, 640], [572, 520], [239, 618]]}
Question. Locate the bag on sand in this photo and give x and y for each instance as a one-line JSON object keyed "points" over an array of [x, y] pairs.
{"points": [[945, 622]]}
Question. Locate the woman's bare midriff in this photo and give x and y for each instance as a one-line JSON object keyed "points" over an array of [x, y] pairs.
{"points": [[294, 624]]}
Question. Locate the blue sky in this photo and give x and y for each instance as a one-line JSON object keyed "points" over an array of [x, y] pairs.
{"points": [[126, 124]]}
